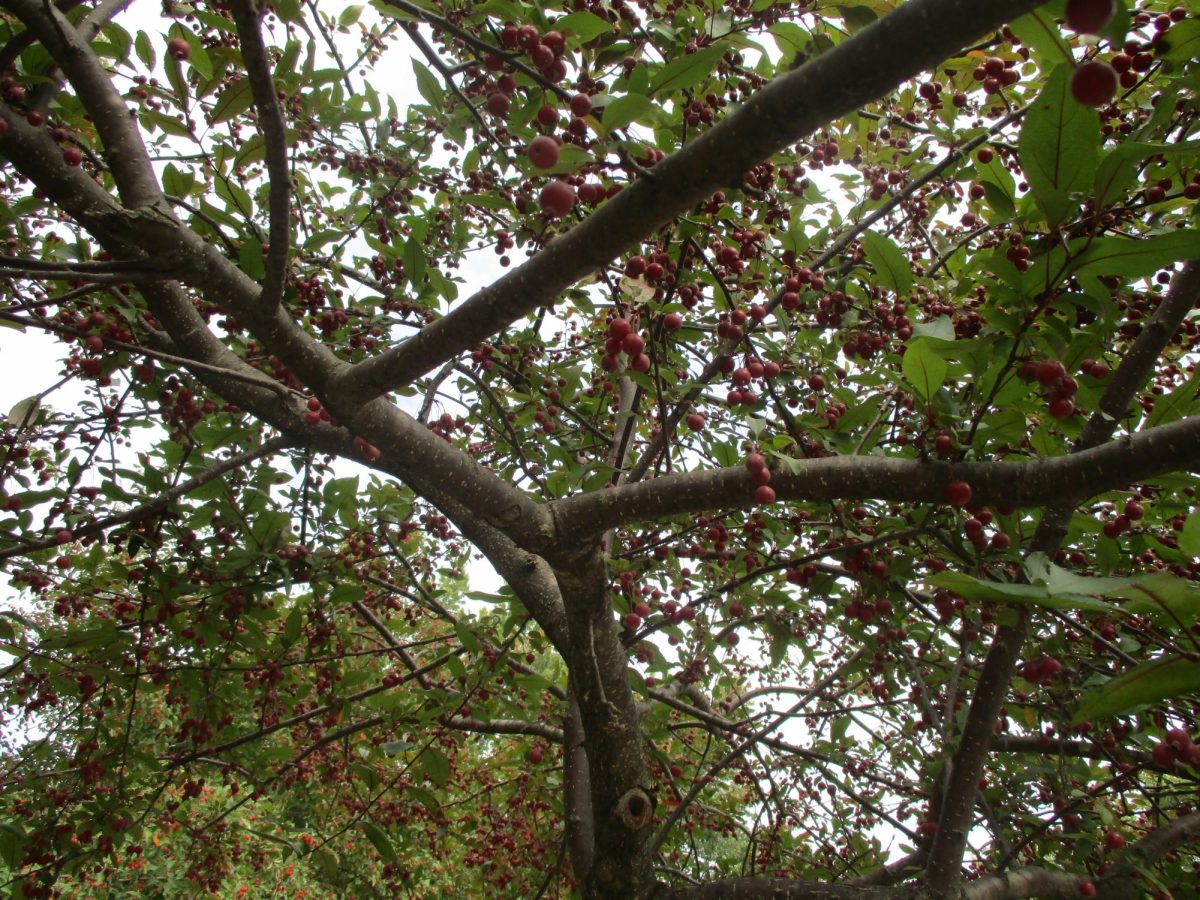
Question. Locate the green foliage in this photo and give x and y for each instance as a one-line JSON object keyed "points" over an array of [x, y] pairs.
{"points": [[237, 665]]}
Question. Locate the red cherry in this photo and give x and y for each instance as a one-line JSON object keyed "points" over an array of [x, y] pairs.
{"points": [[581, 105], [64, 536], [179, 48], [640, 363], [547, 116], [72, 156], [1094, 83], [958, 493], [557, 199], [672, 321], [1114, 840], [536, 754], [632, 343], [1087, 889], [764, 495], [618, 328], [695, 421], [756, 462], [1088, 16], [632, 621], [1049, 372], [34, 118], [1061, 407], [543, 152], [528, 37], [498, 103]]}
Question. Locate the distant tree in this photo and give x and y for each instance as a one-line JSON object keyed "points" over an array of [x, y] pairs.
{"points": [[833, 431]]}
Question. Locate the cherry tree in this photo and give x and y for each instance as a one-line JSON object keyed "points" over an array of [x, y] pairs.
{"points": [[819, 380]]}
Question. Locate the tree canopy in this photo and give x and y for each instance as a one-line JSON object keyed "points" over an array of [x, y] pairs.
{"points": [[818, 379]]}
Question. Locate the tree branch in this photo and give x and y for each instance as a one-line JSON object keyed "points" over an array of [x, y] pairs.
{"points": [[780, 114], [274, 132], [1156, 451]]}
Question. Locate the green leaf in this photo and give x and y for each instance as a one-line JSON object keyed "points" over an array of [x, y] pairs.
{"points": [[428, 85], [1039, 32], [1118, 169], [414, 262], [1058, 147], [1181, 43], [1179, 403], [583, 26], [1159, 679], [436, 766], [889, 261], [379, 838], [980, 590], [1138, 256], [923, 368], [1189, 537], [232, 101], [688, 70], [144, 49], [291, 626], [1171, 598], [327, 862], [622, 111]]}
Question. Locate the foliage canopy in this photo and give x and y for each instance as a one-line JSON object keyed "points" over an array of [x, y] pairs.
{"points": [[819, 379]]}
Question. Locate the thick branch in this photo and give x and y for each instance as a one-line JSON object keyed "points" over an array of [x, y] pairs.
{"points": [[274, 132], [1122, 881], [1168, 448], [916, 36], [1026, 882], [123, 148]]}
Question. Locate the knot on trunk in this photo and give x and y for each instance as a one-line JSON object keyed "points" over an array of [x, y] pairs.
{"points": [[635, 808]]}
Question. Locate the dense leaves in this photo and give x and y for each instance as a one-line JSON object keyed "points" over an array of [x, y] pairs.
{"points": [[819, 380]]}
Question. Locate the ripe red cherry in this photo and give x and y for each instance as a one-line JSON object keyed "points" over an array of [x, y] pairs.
{"points": [[640, 363], [498, 103], [535, 754], [764, 495], [1061, 407], [528, 37], [1087, 889], [1050, 372], [618, 328], [1088, 16], [543, 152], [34, 118], [756, 462], [1094, 83], [557, 199], [581, 105], [72, 156], [1114, 840], [64, 536], [958, 493], [672, 321], [632, 343], [179, 48], [695, 421]]}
